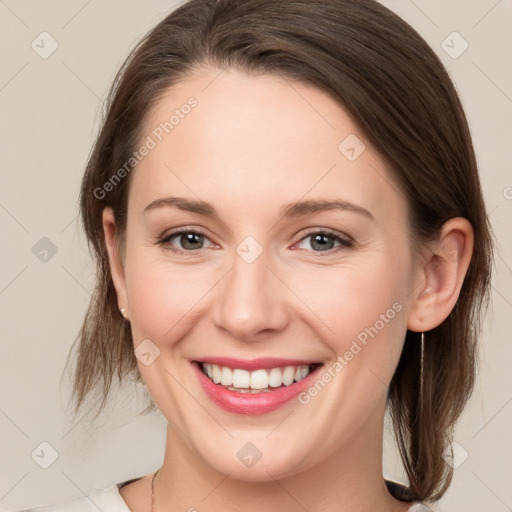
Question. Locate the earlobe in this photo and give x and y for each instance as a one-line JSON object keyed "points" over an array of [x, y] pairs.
{"points": [[441, 275], [114, 257]]}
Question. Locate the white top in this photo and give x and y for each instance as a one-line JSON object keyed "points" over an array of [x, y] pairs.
{"points": [[106, 500], [109, 500]]}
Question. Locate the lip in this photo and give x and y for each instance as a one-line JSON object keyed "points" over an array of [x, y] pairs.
{"points": [[252, 403]]}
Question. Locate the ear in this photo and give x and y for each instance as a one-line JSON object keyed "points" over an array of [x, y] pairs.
{"points": [[441, 274], [114, 257]]}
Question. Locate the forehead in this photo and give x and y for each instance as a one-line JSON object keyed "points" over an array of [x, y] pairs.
{"points": [[252, 141]]}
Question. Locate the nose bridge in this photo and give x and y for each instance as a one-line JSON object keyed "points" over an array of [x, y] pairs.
{"points": [[252, 299]]}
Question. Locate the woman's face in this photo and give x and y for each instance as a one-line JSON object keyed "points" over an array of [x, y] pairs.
{"points": [[256, 276]]}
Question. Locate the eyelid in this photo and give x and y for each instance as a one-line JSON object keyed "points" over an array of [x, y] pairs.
{"points": [[165, 237], [182, 229], [325, 231], [345, 241]]}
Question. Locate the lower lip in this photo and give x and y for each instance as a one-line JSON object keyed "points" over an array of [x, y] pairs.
{"points": [[252, 403]]}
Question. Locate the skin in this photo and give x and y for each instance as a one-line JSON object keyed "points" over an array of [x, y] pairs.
{"points": [[253, 144]]}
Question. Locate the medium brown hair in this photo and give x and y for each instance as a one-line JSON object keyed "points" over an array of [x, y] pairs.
{"points": [[398, 92]]}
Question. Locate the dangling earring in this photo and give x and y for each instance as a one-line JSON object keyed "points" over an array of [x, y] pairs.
{"points": [[421, 369]]}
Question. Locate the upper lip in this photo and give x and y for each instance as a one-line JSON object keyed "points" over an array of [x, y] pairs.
{"points": [[255, 364]]}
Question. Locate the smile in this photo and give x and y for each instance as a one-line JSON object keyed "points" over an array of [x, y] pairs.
{"points": [[243, 381], [254, 387]]}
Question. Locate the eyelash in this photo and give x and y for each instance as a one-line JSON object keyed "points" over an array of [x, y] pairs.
{"points": [[345, 243]]}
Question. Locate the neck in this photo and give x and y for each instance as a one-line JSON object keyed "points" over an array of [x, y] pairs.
{"points": [[349, 479]]}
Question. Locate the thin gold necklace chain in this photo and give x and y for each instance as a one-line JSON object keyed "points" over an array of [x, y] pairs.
{"points": [[153, 491]]}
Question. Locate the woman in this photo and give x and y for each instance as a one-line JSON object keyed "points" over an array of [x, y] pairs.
{"points": [[291, 240]]}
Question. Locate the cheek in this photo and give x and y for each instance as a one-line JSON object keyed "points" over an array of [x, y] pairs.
{"points": [[361, 301], [164, 298]]}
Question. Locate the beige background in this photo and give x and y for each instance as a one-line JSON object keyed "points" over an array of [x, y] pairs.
{"points": [[50, 114]]}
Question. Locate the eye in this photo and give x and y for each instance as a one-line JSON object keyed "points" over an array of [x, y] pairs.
{"points": [[191, 240], [188, 240], [324, 241]]}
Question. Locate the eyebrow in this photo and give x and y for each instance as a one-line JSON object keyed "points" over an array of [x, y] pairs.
{"points": [[295, 209]]}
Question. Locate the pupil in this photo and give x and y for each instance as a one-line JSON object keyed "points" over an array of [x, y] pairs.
{"points": [[189, 238], [318, 239]]}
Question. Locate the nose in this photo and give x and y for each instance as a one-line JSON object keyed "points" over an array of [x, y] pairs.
{"points": [[251, 301]]}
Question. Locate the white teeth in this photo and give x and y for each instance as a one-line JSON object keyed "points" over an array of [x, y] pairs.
{"points": [[275, 378], [259, 379], [244, 380], [241, 378], [216, 373], [288, 375], [226, 376]]}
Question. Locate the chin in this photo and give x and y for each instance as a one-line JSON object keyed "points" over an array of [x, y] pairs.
{"points": [[246, 462]]}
